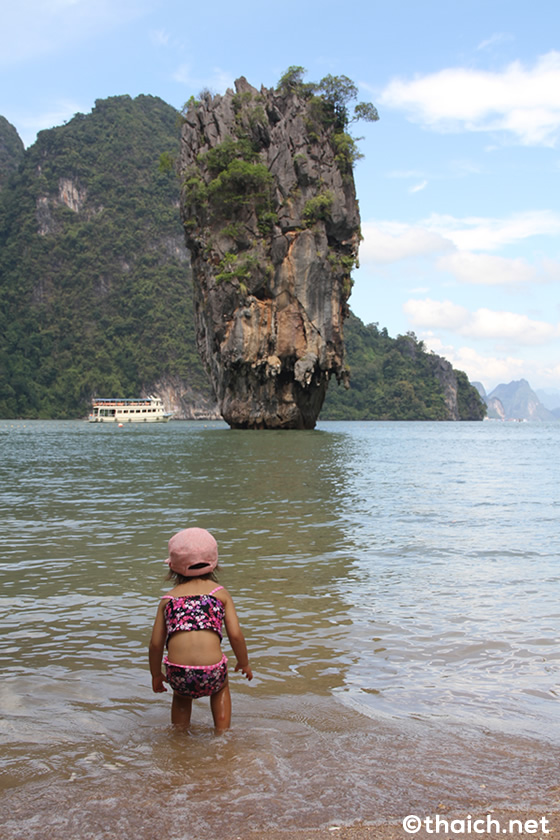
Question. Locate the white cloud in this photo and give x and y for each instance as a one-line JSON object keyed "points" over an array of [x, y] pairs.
{"points": [[418, 187], [387, 242], [435, 314], [477, 233], [390, 241], [509, 326], [497, 38], [487, 269], [497, 326], [550, 374], [493, 370], [551, 270], [490, 370], [521, 101]]}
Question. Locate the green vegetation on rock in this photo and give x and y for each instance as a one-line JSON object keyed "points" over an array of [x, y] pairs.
{"points": [[96, 295], [11, 150], [330, 107], [317, 208], [396, 379], [95, 284]]}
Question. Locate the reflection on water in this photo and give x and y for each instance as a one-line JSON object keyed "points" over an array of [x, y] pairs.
{"points": [[397, 584]]}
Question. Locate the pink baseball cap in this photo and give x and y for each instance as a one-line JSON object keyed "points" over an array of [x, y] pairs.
{"points": [[192, 552]]}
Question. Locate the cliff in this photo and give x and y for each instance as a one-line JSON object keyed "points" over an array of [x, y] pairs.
{"points": [[516, 401], [96, 284], [11, 150], [272, 224], [462, 401], [95, 280], [550, 398], [397, 379]]}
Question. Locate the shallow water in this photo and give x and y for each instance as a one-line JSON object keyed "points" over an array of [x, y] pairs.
{"points": [[398, 585]]}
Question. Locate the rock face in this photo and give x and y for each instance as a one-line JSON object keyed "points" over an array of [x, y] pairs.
{"points": [[272, 224], [94, 267], [461, 399], [517, 401], [185, 402]]}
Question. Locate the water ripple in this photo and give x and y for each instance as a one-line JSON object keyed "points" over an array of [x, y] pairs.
{"points": [[398, 585]]}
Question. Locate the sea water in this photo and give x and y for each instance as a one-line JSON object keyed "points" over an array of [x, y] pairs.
{"points": [[398, 585]]}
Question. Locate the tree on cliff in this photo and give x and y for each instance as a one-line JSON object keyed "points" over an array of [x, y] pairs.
{"points": [[95, 283], [272, 224], [95, 289], [11, 150], [331, 98], [337, 91], [397, 379]]}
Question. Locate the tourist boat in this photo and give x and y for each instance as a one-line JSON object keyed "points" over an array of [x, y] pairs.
{"points": [[142, 410]]}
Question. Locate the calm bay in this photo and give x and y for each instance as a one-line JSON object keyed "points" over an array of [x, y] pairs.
{"points": [[398, 585]]}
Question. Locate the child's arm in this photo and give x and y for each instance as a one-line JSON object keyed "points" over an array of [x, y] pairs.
{"points": [[157, 644], [237, 639]]}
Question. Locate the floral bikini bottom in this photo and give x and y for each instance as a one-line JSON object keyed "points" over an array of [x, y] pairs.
{"points": [[196, 680]]}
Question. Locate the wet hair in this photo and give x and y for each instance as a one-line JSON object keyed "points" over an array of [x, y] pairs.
{"points": [[177, 578]]}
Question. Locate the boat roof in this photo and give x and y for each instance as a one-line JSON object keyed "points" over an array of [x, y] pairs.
{"points": [[123, 401]]}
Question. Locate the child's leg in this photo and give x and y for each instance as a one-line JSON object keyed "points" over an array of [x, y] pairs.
{"points": [[220, 703], [181, 707]]}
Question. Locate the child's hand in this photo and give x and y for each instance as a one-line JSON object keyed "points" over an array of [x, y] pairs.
{"points": [[157, 684], [245, 669]]}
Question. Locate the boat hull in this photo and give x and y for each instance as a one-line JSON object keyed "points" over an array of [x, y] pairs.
{"points": [[125, 419]]}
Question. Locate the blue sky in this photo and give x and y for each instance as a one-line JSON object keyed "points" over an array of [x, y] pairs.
{"points": [[459, 184]]}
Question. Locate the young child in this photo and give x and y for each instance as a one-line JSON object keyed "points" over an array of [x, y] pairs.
{"points": [[189, 621]]}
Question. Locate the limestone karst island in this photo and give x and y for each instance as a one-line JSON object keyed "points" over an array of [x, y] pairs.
{"points": [[223, 291], [273, 228]]}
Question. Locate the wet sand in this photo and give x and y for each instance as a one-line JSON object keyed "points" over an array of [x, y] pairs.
{"points": [[389, 830], [404, 662]]}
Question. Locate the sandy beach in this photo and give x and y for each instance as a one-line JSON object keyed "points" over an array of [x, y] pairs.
{"points": [[543, 824]]}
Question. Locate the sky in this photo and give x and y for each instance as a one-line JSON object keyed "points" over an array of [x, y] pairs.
{"points": [[459, 186]]}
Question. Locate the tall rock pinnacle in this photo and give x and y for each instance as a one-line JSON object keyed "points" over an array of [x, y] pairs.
{"points": [[272, 223]]}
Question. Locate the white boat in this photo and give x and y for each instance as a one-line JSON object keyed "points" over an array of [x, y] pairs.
{"points": [[141, 410]]}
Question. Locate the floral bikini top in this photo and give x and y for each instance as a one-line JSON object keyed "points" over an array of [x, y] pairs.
{"points": [[194, 612]]}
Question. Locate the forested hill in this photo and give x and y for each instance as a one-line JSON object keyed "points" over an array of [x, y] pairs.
{"points": [[11, 150], [96, 290], [396, 379]]}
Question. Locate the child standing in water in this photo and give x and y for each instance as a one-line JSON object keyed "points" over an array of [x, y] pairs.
{"points": [[189, 621]]}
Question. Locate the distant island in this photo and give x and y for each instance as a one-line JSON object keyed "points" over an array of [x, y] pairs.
{"points": [[517, 401], [96, 285]]}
